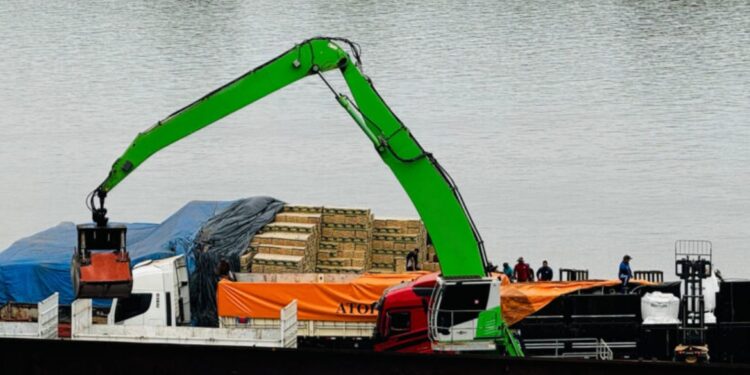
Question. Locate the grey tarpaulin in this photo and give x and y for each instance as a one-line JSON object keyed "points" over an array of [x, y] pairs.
{"points": [[225, 236]]}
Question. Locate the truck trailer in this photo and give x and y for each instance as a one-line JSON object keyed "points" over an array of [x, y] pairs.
{"points": [[334, 310]]}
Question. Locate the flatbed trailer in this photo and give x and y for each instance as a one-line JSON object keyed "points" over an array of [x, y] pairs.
{"points": [[46, 326], [282, 336]]}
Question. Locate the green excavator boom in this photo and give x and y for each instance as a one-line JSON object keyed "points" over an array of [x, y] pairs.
{"points": [[430, 188]]}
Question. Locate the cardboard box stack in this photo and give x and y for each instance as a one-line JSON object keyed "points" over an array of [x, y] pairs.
{"points": [[345, 240], [392, 239], [288, 244]]}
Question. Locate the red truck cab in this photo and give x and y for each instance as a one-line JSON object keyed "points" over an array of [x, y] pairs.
{"points": [[402, 317]]}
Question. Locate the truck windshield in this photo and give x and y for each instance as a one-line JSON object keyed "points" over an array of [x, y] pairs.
{"points": [[398, 322], [136, 304], [462, 303]]}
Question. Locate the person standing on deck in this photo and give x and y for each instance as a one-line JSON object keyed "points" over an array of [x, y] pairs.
{"points": [[508, 271], [491, 267], [521, 271], [625, 273], [224, 271], [412, 260], [544, 273]]}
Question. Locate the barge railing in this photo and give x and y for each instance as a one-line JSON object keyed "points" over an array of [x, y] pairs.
{"points": [[570, 348], [44, 328]]}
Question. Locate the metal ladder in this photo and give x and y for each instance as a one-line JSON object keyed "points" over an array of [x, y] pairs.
{"points": [[693, 265]]}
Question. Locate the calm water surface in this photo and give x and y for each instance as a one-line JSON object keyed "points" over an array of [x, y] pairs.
{"points": [[577, 130]]}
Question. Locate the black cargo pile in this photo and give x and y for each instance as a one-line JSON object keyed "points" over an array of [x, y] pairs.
{"points": [[224, 237]]}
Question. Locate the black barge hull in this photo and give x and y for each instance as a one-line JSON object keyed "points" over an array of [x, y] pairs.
{"points": [[21, 356]]}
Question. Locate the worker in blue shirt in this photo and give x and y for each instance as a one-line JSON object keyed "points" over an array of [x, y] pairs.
{"points": [[508, 272], [625, 273]]}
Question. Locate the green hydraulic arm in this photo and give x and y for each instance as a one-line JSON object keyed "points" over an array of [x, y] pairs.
{"points": [[430, 188]]}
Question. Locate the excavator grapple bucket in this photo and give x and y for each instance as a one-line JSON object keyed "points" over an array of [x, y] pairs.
{"points": [[101, 265]]}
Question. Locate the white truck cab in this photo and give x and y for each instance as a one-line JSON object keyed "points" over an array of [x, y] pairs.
{"points": [[160, 296]]}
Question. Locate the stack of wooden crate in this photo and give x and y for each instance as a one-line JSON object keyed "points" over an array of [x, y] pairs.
{"points": [[345, 240], [336, 240], [288, 244], [392, 240]]}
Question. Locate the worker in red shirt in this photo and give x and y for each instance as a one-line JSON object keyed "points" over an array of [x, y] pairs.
{"points": [[521, 271]]}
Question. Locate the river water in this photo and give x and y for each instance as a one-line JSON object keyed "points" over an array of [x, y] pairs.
{"points": [[578, 131]]}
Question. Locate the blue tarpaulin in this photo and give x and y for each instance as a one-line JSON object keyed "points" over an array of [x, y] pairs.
{"points": [[34, 267]]}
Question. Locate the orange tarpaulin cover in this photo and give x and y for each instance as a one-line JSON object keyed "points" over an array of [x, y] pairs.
{"points": [[355, 300], [351, 301], [520, 300]]}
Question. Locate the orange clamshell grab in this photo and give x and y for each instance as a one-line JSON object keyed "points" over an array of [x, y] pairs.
{"points": [[107, 276], [105, 267]]}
